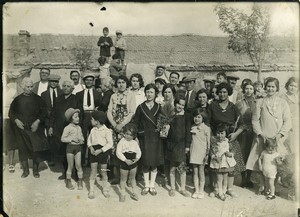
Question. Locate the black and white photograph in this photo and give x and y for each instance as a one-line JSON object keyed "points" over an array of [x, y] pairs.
{"points": [[150, 109]]}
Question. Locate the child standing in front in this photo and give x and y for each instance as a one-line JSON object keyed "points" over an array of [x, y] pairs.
{"points": [[72, 135], [199, 151], [178, 142], [100, 142], [129, 153], [222, 160], [105, 43], [268, 161], [120, 45]]}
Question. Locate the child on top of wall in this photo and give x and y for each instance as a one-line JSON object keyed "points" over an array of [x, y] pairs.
{"points": [[72, 135], [100, 142], [105, 43], [120, 46], [221, 77]]}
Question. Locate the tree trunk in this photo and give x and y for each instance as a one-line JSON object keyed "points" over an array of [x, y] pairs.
{"points": [[259, 74]]}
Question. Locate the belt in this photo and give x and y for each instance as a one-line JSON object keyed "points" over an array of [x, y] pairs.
{"points": [[88, 111]]}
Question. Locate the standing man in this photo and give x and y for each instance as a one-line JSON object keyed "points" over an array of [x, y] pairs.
{"points": [[28, 112], [42, 85], [208, 85], [88, 100], [174, 79], [75, 76], [58, 121], [50, 97], [190, 94], [232, 80]]}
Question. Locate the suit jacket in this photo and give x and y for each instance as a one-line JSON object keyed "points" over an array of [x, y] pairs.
{"points": [[192, 101], [36, 87], [97, 99], [47, 99]]}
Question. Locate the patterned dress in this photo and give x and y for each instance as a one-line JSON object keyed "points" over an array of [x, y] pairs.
{"points": [[232, 118]]}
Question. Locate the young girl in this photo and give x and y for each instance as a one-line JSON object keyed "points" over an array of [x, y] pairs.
{"points": [[178, 141], [268, 161], [199, 151], [222, 160], [148, 134], [100, 142], [72, 135], [129, 153]]}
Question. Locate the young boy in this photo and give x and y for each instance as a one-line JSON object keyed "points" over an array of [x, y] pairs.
{"points": [[221, 77], [105, 42], [115, 68], [100, 142], [120, 45]]}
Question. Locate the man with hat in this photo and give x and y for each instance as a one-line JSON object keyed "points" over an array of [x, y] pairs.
{"points": [[190, 94], [50, 97], [42, 85], [88, 100], [208, 85], [75, 77], [232, 80], [160, 72], [120, 45]]}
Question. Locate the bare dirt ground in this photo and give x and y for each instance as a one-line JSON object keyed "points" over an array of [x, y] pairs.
{"points": [[48, 197]]}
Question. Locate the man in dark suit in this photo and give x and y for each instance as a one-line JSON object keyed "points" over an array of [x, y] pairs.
{"points": [[58, 121], [50, 98], [88, 100], [42, 85], [190, 94]]}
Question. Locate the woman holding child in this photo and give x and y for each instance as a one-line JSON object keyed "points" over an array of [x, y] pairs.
{"points": [[225, 112]]}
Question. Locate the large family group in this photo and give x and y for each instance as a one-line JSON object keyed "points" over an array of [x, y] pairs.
{"points": [[139, 130]]}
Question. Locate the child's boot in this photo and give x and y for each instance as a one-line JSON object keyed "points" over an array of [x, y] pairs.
{"points": [[91, 192], [69, 184], [80, 184]]}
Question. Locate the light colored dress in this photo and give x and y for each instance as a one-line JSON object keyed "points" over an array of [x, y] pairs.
{"points": [[200, 144], [269, 165], [219, 161], [270, 117]]}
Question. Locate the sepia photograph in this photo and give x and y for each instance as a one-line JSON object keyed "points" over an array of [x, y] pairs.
{"points": [[150, 109]]}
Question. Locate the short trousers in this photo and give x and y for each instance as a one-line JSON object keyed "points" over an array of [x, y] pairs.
{"points": [[224, 170], [73, 149], [101, 158], [129, 156]]}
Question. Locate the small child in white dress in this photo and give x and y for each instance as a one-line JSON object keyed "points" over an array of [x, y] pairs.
{"points": [[268, 162]]}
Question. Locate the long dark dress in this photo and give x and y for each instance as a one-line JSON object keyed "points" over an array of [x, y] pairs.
{"points": [[229, 116], [148, 135], [179, 138], [28, 109]]}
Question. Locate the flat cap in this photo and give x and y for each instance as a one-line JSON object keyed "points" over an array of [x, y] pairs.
{"points": [[88, 74], [160, 66], [188, 79], [232, 77], [160, 80], [53, 77], [118, 31], [208, 80]]}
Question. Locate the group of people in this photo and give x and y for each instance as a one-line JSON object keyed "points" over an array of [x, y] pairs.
{"points": [[135, 129]]}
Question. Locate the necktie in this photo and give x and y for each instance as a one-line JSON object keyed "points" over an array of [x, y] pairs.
{"points": [[88, 98], [187, 98], [53, 97]]}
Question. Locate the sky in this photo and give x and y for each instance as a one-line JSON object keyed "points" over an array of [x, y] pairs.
{"points": [[134, 18]]}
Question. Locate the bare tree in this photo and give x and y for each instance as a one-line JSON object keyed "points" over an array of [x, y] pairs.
{"points": [[248, 34]]}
